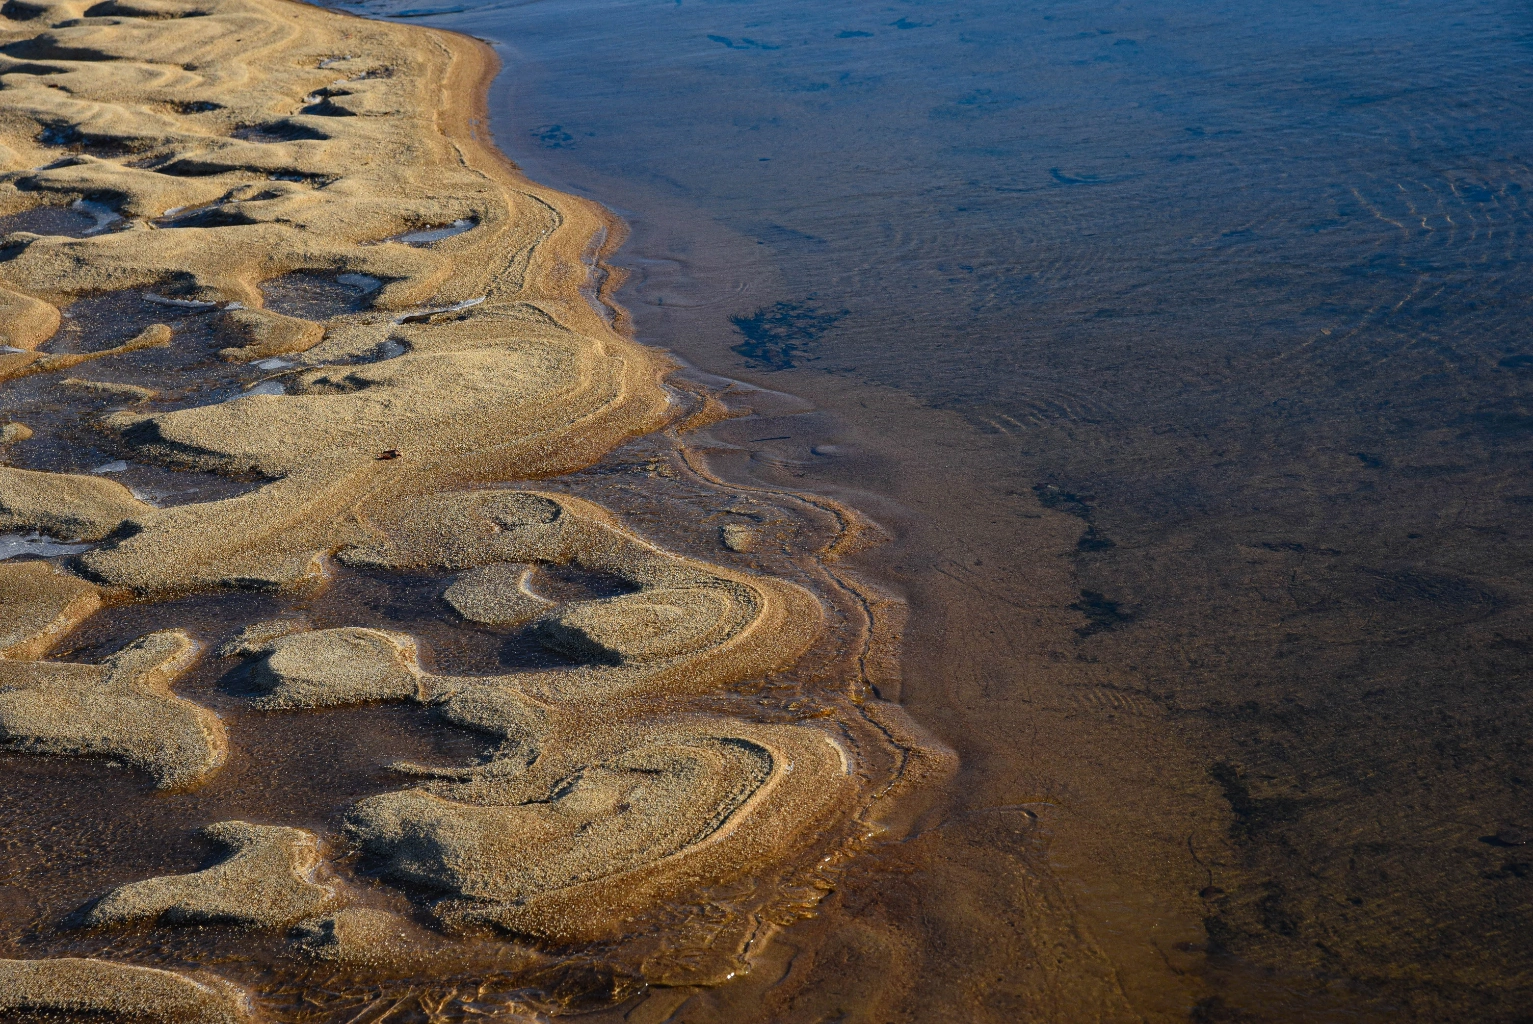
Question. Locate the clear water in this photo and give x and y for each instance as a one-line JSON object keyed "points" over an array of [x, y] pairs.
{"points": [[1183, 349]]}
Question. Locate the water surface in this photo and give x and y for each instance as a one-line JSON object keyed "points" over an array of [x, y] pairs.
{"points": [[1182, 348]]}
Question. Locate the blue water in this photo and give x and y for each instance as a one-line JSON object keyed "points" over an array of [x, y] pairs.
{"points": [[1238, 294]]}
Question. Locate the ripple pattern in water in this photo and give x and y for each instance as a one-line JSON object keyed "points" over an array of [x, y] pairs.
{"points": [[1243, 290]]}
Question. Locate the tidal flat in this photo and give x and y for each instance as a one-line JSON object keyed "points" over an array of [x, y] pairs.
{"points": [[1089, 442], [1179, 348], [374, 646]]}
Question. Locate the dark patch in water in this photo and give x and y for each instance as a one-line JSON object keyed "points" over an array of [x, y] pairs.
{"points": [[1052, 497], [1101, 613], [778, 337], [553, 136], [743, 43], [1253, 815]]}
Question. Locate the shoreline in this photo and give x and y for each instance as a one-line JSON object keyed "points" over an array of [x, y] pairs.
{"points": [[412, 398], [1135, 944], [1135, 766]]}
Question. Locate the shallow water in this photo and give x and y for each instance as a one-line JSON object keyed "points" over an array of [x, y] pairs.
{"points": [[1182, 348]]}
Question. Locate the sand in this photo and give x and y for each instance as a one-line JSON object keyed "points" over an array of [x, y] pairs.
{"points": [[255, 148], [529, 380], [10, 433], [67, 506], [133, 393], [579, 820], [333, 667], [266, 882], [701, 624], [79, 986], [41, 604], [496, 595], [266, 334], [608, 824], [686, 628], [121, 708]]}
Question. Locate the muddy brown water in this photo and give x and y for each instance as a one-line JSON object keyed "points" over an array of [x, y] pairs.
{"points": [[1182, 347]]}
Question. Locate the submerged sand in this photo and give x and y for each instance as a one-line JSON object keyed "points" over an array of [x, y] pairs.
{"points": [[246, 141]]}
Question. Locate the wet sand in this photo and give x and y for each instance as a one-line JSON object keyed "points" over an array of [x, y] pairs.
{"points": [[375, 643]]}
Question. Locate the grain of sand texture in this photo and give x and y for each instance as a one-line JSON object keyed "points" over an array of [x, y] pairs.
{"points": [[633, 812]]}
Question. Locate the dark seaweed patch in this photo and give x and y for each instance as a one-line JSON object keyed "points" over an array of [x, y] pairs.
{"points": [[777, 337], [553, 136], [1253, 815], [743, 43], [1052, 497], [1101, 613]]}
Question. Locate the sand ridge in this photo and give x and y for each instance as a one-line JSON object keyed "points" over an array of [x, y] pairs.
{"points": [[95, 987], [42, 603]]}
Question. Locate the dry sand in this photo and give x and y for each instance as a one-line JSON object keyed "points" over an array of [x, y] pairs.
{"points": [[266, 882], [97, 987], [41, 603], [245, 141], [120, 708]]}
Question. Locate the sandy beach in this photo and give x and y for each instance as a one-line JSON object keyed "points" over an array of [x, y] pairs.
{"points": [[379, 645]]}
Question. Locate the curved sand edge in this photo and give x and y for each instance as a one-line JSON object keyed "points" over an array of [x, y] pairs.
{"points": [[478, 361]]}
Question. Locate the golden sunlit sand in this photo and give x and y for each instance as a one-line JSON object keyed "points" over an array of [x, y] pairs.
{"points": [[247, 143]]}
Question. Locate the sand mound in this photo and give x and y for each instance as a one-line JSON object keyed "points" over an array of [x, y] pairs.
{"points": [[267, 334], [497, 595], [120, 708], [10, 433], [41, 604], [608, 825], [97, 987], [25, 322], [267, 882], [331, 667], [658, 623], [577, 821], [64, 505]]}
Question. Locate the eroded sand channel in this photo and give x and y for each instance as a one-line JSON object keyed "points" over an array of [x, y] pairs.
{"points": [[370, 643]]}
